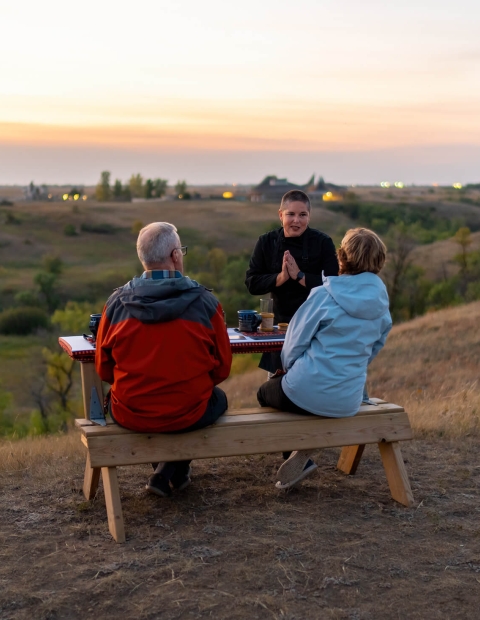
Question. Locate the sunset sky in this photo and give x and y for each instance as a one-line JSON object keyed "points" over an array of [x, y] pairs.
{"points": [[217, 91]]}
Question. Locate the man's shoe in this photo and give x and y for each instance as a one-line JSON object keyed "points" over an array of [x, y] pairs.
{"points": [[294, 469], [181, 481], [158, 486]]}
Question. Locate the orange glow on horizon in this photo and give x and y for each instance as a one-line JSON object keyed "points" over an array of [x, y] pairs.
{"points": [[261, 128]]}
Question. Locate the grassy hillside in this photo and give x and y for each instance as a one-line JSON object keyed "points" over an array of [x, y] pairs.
{"points": [[97, 262]]}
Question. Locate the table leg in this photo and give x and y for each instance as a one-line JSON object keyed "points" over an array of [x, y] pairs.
{"points": [[91, 479], [90, 379], [350, 458]]}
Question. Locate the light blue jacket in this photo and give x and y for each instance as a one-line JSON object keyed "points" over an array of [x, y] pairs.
{"points": [[331, 340]]}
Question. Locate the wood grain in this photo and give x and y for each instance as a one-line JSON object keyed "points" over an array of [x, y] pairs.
{"points": [[234, 440], [397, 476], [350, 458], [113, 503], [90, 479]]}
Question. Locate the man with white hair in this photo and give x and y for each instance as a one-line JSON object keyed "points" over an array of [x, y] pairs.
{"points": [[163, 346]]}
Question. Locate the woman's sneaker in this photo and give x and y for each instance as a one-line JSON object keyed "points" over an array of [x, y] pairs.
{"points": [[294, 469]]}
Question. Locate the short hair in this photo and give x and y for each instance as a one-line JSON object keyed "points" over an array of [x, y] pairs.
{"points": [[294, 195], [156, 242], [361, 250]]}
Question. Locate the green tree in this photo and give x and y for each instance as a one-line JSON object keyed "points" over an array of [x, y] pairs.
{"points": [[59, 381], [137, 227], [444, 294], [118, 190], [181, 189], [47, 285], [6, 422], [217, 260], [463, 238], [74, 318], [136, 186], [159, 187], [52, 264], [102, 190], [149, 187], [27, 298], [400, 247]]}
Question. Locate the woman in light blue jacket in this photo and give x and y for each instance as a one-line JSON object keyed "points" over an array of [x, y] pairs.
{"points": [[331, 340]]}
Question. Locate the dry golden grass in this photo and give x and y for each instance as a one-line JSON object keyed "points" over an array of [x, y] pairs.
{"points": [[431, 366], [437, 258], [45, 453]]}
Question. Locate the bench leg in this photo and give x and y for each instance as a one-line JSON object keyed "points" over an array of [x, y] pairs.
{"points": [[350, 458], [90, 479], [113, 503], [397, 476]]}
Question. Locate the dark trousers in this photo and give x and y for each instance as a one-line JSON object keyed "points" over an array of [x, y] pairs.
{"points": [[217, 405], [271, 394]]}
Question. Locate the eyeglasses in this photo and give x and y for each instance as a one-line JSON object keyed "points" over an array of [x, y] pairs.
{"points": [[183, 249]]}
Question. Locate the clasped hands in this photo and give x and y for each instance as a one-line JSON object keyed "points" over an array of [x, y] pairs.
{"points": [[290, 269]]}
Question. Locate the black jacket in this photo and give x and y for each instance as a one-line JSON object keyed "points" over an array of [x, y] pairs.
{"points": [[313, 251]]}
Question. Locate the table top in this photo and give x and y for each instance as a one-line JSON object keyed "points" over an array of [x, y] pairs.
{"points": [[83, 350]]}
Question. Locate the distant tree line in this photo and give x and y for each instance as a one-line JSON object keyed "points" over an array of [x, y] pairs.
{"points": [[136, 187]]}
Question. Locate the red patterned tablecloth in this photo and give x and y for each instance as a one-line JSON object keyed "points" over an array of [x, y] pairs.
{"points": [[82, 350]]}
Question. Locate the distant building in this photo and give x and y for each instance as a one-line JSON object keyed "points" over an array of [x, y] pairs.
{"points": [[271, 189], [35, 192], [328, 192]]}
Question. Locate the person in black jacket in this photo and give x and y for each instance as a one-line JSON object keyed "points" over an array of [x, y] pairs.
{"points": [[288, 263]]}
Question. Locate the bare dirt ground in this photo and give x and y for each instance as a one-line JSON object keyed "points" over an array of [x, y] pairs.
{"points": [[231, 546]]}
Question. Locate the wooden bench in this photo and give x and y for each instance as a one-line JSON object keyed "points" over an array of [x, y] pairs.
{"points": [[247, 431]]}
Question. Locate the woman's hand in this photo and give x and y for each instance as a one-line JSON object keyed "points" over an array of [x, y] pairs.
{"points": [[292, 267], [283, 276]]}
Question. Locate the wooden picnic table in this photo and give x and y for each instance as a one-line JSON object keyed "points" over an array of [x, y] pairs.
{"points": [[83, 351], [238, 432]]}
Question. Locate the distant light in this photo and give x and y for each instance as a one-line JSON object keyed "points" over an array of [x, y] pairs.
{"points": [[434, 184], [399, 184], [65, 197], [457, 185], [76, 196], [385, 184], [234, 184], [227, 195], [84, 197], [329, 197]]}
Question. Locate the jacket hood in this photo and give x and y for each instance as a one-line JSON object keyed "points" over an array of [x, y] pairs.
{"points": [[363, 296], [159, 301]]}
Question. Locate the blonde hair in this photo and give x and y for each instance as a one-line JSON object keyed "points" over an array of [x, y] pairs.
{"points": [[361, 250]]}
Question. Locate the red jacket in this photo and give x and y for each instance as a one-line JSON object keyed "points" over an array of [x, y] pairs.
{"points": [[163, 346]]}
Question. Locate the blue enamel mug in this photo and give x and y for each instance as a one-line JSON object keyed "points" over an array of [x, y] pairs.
{"points": [[248, 320]]}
